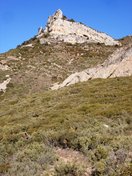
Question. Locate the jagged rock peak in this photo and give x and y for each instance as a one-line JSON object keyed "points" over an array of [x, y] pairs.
{"points": [[60, 28], [58, 14], [40, 30]]}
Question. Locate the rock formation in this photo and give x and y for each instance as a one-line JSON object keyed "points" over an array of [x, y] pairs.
{"points": [[62, 29], [3, 86], [119, 64]]}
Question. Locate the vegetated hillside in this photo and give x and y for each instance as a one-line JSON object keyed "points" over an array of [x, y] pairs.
{"points": [[36, 68], [81, 130], [93, 118]]}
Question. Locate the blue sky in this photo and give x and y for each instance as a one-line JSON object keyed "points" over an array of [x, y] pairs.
{"points": [[20, 19]]}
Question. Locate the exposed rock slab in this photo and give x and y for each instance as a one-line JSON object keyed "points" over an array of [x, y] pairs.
{"points": [[3, 86], [28, 45], [119, 64]]}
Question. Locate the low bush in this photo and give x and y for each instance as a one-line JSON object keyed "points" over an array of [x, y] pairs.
{"points": [[68, 169]]}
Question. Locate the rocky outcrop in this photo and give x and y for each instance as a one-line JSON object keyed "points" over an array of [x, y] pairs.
{"points": [[3, 86], [4, 62], [119, 64], [27, 46], [62, 29], [40, 31], [4, 67]]}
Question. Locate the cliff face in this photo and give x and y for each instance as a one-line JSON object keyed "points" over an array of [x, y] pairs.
{"points": [[62, 29]]}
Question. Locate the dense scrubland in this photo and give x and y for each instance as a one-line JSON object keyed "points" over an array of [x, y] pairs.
{"points": [[93, 118]]}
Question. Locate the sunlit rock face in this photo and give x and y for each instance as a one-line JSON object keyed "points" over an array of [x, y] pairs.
{"points": [[62, 29]]}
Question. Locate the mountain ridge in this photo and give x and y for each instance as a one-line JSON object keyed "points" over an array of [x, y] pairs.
{"points": [[60, 28], [44, 59]]}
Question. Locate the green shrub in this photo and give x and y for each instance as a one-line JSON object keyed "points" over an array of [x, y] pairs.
{"points": [[71, 20], [32, 160], [68, 169], [101, 152], [100, 168]]}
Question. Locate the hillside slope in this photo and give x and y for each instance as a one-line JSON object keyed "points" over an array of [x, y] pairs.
{"points": [[93, 118], [81, 130], [35, 65], [119, 64], [37, 68]]}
